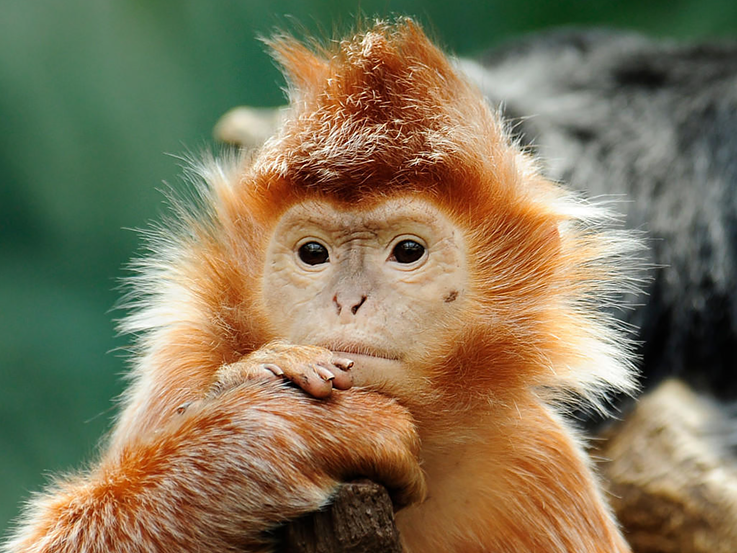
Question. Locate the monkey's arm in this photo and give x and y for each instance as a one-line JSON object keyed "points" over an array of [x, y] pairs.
{"points": [[230, 468]]}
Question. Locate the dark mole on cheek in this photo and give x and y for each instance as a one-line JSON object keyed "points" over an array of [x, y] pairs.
{"points": [[451, 296]]}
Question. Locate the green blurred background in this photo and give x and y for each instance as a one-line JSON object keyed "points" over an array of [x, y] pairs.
{"points": [[93, 95]]}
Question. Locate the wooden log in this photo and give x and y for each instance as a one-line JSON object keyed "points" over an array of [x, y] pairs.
{"points": [[360, 520]]}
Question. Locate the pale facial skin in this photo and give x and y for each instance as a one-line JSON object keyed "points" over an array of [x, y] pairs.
{"points": [[370, 286]]}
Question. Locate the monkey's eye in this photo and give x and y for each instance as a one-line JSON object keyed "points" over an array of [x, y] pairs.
{"points": [[407, 251], [313, 253]]}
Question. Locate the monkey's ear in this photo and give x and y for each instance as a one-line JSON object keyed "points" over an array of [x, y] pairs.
{"points": [[302, 67]]}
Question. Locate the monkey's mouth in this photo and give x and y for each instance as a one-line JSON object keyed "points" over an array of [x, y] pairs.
{"points": [[355, 356], [357, 351]]}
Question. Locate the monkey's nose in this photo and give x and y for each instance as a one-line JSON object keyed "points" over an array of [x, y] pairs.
{"points": [[348, 305]]}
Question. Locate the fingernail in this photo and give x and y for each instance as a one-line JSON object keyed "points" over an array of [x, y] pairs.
{"points": [[343, 363], [325, 374], [276, 369]]}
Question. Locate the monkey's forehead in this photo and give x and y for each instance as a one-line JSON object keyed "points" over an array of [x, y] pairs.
{"points": [[381, 214]]}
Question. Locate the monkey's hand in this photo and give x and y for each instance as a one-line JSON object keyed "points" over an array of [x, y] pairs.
{"points": [[315, 370]]}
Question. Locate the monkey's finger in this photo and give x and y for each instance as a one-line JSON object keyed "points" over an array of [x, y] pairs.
{"points": [[343, 378], [340, 366], [314, 379], [325, 373]]}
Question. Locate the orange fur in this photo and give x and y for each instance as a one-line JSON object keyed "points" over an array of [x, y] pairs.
{"points": [[381, 115]]}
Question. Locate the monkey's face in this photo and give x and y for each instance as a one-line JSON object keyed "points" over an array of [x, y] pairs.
{"points": [[383, 286]]}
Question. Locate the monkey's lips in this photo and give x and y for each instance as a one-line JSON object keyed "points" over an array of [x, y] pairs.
{"points": [[366, 359], [372, 364], [360, 352], [372, 368]]}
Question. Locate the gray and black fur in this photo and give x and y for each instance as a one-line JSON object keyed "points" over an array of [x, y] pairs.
{"points": [[615, 113]]}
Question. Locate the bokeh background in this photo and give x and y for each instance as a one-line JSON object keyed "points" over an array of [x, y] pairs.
{"points": [[97, 99]]}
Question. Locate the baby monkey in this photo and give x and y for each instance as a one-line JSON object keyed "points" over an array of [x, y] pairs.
{"points": [[435, 300]]}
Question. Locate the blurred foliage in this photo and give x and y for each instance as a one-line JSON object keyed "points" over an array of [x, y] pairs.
{"points": [[93, 93]]}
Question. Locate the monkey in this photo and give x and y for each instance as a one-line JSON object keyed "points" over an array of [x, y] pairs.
{"points": [[612, 112], [387, 288]]}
